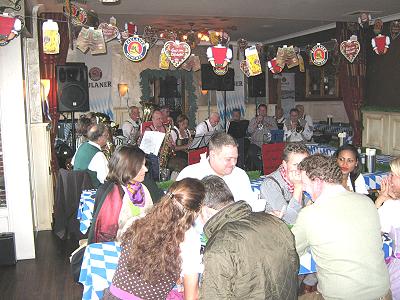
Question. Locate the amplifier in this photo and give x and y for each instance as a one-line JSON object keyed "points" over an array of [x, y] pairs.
{"points": [[7, 249]]}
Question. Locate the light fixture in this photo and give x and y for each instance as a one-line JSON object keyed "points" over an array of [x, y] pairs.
{"points": [[45, 88], [122, 89], [204, 92]]}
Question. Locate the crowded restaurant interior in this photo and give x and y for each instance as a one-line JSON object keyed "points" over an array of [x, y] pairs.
{"points": [[199, 149]]}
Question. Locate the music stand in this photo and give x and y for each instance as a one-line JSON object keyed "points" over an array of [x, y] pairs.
{"points": [[200, 141], [238, 129]]}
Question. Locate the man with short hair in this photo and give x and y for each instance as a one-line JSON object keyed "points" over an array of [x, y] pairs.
{"points": [[283, 189], [259, 129], [343, 232], [166, 116], [89, 156], [279, 117], [208, 125], [296, 130], [223, 154], [131, 127], [303, 116], [248, 255]]}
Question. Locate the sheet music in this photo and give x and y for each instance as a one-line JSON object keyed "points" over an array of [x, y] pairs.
{"points": [[152, 141], [200, 141]]}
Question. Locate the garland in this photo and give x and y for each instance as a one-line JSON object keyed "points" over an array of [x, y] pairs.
{"points": [[148, 74]]}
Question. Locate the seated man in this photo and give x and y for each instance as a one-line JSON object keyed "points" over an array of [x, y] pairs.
{"points": [[131, 127], [259, 129], [342, 230], [223, 154], [283, 188], [208, 125], [89, 156], [297, 130], [303, 116], [248, 255], [166, 116], [279, 117]]}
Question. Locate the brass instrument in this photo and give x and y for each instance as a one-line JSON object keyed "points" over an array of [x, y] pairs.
{"points": [[148, 108], [165, 150]]}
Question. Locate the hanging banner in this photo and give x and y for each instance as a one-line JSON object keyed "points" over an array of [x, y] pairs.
{"points": [[287, 91], [99, 77]]}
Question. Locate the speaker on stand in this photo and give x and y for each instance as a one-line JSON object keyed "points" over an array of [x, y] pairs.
{"points": [[72, 91]]}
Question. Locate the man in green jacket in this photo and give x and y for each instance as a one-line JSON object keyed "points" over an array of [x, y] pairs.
{"points": [[248, 255]]}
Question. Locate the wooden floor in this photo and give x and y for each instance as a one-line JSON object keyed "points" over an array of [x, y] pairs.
{"points": [[46, 277]]}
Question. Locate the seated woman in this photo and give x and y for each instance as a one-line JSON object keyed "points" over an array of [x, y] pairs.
{"points": [[150, 262], [180, 136], [349, 162], [388, 204], [122, 198]]}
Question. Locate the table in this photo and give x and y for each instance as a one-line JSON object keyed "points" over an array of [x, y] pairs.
{"points": [[333, 129], [100, 262], [329, 151], [85, 209]]}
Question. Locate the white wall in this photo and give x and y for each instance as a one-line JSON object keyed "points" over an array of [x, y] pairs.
{"points": [[15, 149]]}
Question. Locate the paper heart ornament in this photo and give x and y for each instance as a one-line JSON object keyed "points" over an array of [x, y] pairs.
{"points": [[110, 32], [350, 49], [177, 52]]}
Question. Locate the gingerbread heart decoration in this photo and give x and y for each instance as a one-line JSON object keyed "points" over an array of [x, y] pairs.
{"points": [[177, 52], [394, 29], [350, 49], [110, 32]]}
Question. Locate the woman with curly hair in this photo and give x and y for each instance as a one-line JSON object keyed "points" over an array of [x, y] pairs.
{"points": [[349, 162], [150, 262]]}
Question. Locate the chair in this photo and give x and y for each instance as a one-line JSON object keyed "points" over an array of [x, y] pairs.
{"points": [[194, 155], [271, 156]]}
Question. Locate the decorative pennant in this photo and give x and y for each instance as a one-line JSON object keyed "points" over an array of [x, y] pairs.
{"points": [[301, 63], [253, 61], [110, 32], [274, 67], [51, 37], [241, 46], [245, 68], [10, 27], [80, 16], [380, 44], [164, 61], [219, 56], [177, 52], [394, 29], [319, 55], [364, 19], [350, 48], [135, 48]]}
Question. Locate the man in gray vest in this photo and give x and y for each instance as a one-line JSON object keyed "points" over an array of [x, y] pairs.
{"points": [[89, 156]]}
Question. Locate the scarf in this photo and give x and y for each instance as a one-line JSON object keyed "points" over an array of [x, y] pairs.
{"points": [[136, 193], [286, 179]]}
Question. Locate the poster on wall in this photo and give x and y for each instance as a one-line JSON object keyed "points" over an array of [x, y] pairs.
{"points": [[234, 99], [287, 91], [100, 83]]}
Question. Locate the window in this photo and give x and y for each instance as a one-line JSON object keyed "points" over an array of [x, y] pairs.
{"points": [[322, 82]]}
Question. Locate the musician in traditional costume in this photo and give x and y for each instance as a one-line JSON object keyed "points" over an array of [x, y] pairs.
{"points": [[131, 127], [296, 130], [208, 125], [181, 139]]}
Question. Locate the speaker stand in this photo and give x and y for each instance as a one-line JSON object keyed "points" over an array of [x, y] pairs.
{"points": [[225, 111], [73, 131]]}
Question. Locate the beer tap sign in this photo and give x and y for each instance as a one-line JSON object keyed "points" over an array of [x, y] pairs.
{"points": [[219, 56]]}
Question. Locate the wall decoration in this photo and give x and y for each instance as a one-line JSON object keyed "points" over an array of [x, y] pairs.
{"points": [[135, 48], [219, 56], [350, 48], [380, 44], [364, 19], [163, 61], [150, 36], [378, 25], [51, 37], [177, 52], [245, 68], [253, 61], [319, 55], [286, 56], [110, 32], [274, 67], [10, 27], [147, 75], [394, 29]]}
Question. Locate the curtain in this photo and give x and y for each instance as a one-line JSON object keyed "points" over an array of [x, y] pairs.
{"points": [[352, 80], [48, 64]]}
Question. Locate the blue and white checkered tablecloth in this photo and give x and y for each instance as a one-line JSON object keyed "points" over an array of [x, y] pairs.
{"points": [[329, 151], [333, 129], [85, 209], [98, 267]]}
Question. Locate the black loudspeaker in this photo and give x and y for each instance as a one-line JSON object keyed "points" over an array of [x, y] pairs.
{"points": [[213, 82], [256, 85], [7, 249], [72, 87]]}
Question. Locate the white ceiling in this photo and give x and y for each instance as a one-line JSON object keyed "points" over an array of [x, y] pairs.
{"points": [[253, 20]]}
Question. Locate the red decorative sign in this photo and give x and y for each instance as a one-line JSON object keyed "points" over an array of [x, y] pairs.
{"points": [[177, 52], [110, 32], [350, 49], [319, 55]]}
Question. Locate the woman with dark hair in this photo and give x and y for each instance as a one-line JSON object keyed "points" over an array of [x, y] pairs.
{"points": [[150, 262], [349, 161], [122, 198]]}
